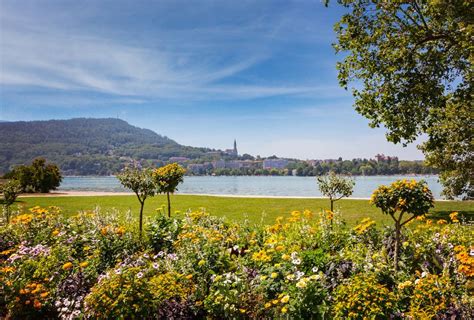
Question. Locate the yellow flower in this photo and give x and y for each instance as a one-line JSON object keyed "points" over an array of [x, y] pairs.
{"points": [[442, 221], [201, 262], [189, 276], [83, 264], [55, 232], [284, 310], [67, 266], [454, 216], [286, 257], [268, 305], [242, 310], [285, 299], [279, 248], [120, 231], [274, 275], [301, 284]]}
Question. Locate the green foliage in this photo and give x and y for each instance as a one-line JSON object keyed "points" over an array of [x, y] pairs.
{"points": [[37, 177], [363, 297], [162, 232], [412, 60], [400, 198], [141, 182], [10, 190], [335, 187], [87, 146], [298, 268], [167, 179]]}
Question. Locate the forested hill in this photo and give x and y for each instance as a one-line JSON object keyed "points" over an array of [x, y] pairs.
{"points": [[86, 146]]}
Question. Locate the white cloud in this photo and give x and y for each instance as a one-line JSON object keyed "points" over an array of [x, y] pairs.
{"points": [[181, 65]]}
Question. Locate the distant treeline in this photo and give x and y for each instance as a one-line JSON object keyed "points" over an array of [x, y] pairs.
{"points": [[354, 167], [367, 167]]}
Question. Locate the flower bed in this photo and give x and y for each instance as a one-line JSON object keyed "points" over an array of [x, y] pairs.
{"points": [[95, 265]]}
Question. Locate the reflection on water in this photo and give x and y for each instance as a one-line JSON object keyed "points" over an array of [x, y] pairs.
{"points": [[253, 185]]}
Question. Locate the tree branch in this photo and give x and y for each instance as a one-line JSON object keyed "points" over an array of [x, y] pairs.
{"points": [[404, 223], [418, 10]]}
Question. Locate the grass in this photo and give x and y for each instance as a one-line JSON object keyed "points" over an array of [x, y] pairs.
{"points": [[256, 210]]}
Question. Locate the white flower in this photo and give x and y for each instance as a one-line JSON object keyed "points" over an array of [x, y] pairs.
{"points": [[471, 252], [155, 265], [417, 280], [296, 261], [118, 271], [146, 256], [140, 275], [294, 255], [315, 269], [424, 274], [299, 274]]}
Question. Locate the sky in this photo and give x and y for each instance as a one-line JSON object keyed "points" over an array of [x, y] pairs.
{"points": [[202, 73]]}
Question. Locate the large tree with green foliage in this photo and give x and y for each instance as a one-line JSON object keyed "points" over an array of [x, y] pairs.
{"points": [[410, 62], [141, 182], [40, 176]]}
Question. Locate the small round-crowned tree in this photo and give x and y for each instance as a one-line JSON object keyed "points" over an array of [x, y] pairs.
{"points": [[335, 187], [403, 199], [167, 179], [11, 189], [141, 182]]}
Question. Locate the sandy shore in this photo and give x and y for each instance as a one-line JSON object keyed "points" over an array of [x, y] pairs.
{"points": [[103, 193]]}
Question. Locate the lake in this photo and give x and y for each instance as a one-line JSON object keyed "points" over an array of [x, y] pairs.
{"points": [[250, 185]]}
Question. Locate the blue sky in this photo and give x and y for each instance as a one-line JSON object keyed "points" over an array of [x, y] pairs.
{"points": [[199, 72]]}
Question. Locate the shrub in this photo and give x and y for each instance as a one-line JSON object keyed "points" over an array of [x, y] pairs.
{"points": [[363, 297], [37, 177], [400, 198]]}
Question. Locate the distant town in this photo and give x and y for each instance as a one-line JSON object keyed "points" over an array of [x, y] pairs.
{"points": [[229, 162]]}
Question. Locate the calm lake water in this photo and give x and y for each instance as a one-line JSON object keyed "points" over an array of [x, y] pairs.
{"points": [[249, 185]]}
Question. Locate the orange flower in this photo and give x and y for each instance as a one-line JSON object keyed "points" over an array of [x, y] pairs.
{"points": [[67, 266], [37, 304], [83, 264]]}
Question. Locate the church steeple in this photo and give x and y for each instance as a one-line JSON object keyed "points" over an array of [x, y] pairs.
{"points": [[235, 147]]}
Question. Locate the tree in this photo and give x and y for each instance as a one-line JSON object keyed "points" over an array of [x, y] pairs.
{"points": [[400, 198], [141, 182], [11, 189], [37, 177], [411, 62], [335, 187], [167, 179]]}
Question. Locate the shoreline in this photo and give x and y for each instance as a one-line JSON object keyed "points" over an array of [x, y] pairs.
{"points": [[108, 193], [111, 193]]}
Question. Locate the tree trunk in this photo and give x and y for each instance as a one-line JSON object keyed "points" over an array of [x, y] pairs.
{"points": [[332, 210], [397, 244], [142, 203], [7, 213], [169, 205]]}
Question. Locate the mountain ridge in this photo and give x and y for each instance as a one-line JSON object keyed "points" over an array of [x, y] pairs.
{"points": [[86, 146]]}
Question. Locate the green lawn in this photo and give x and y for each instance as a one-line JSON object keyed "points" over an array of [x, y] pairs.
{"points": [[256, 210]]}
